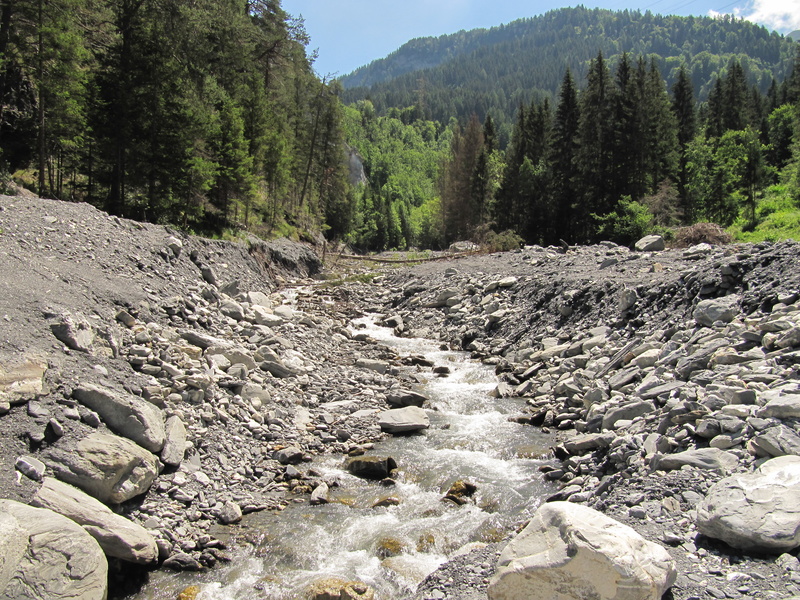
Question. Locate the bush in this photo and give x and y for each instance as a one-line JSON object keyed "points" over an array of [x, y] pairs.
{"points": [[710, 233], [629, 223], [491, 241]]}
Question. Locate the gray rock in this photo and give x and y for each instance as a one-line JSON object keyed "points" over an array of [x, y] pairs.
{"points": [[699, 359], [108, 467], [209, 275], [572, 551], [22, 380], [264, 316], [627, 412], [757, 512], [380, 366], [117, 536], [239, 356], [403, 420], [75, 332], [320, 494], [30, 467], [175, 442], [181, 561], [231, 308], [61, 561], [650, 243], [230, 513], [589, 441], [13, 544], [780, 405], [710, 311], [289, 456], [175, 245], [401, 397], [203, 340], [287, 313], [130, 416], [627, 299], [704, 458], [776, 441]]}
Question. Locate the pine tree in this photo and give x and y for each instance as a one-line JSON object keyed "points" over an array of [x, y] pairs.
{"points": [[735, 98], [595, 158], [683, 107], [660, 133], [563, 154]]}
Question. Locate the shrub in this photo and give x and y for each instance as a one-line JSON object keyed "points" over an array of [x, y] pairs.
{"points": [[630, 222]]}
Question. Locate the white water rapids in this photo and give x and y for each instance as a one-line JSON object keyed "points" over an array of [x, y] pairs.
{"points": [[393, 548]]}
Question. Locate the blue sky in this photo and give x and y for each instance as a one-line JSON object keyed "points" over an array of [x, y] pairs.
{"points": [[352, 33]]}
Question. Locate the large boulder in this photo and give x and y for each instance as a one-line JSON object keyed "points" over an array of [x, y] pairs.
{"points": [[59, 560], [650, 243], [403, 420], [708, 312], [570, 551], [780, 405], [13, 544], [402, 397], [756, 512], [127, 415], [117, 536], [334, 588], [22, 379], [108, 467]]}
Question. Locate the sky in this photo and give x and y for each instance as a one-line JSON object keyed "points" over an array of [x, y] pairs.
{"points": [[351, 33]]}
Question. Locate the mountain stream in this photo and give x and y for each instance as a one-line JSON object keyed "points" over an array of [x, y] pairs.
{"points": [[392, 548]]}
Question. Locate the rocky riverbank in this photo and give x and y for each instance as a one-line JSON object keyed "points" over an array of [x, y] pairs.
{"points": [[184, 382], [664, 374]]}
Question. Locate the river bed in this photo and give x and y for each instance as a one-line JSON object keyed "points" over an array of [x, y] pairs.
{"points": [[393, 547]]}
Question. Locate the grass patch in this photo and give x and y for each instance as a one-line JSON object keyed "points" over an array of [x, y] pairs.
{"points": [[777, 218]]}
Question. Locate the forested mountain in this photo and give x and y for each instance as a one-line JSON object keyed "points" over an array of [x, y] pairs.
{"points": [[576, 125], [492, 71], [202, 113]]}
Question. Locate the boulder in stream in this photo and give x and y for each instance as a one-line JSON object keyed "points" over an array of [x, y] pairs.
{"points": [[371, 467], [403, 420]]}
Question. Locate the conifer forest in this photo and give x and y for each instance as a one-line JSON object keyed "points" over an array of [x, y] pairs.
{"points": [[575, 126]]}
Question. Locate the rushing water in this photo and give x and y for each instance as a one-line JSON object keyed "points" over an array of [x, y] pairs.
{"points": [[392, 548]]}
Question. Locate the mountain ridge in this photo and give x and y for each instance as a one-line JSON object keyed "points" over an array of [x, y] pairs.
{"points": [[493, 70]]}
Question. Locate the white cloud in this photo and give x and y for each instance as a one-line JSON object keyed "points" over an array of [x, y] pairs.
{"points": [[779, 15]]}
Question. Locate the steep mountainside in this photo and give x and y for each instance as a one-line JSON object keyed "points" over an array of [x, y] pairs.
{"points": [[494, 69]]}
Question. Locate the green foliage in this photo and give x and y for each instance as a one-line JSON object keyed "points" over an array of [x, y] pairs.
{"points": [[491, 241], [630, 222], [205, 114], [491, 71], [399, 207], [777, 217]]}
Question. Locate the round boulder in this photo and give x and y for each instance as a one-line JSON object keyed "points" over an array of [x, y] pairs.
{"points": [[570, 551], [757, 512]]}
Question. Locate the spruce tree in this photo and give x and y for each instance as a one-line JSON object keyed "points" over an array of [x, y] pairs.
{"points": [[595, 158], [563, 155], [683, 107]]}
